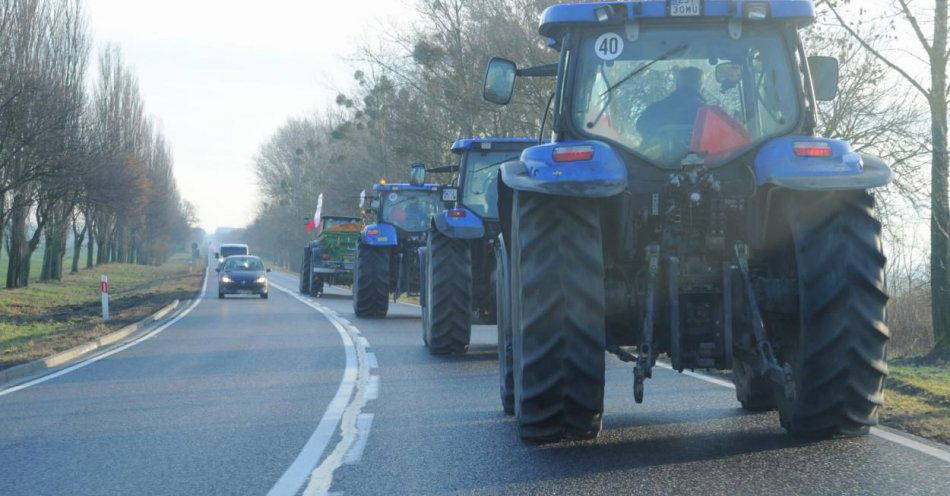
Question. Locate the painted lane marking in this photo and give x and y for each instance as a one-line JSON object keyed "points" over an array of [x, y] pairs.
{"points": [[309, 457], [372, 390], [894, 437], [373, 363], [342, 415], [363, 425], [90, 361]]}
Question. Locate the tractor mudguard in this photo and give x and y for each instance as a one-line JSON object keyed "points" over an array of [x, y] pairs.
{"points": [[379, 235], [460, 223], [777, 164], [599, 176]]}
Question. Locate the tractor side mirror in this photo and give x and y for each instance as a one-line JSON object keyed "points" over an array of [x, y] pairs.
{"points": [[728, 73], [362, 199], [499, 81], [218, 270], [824, 76], [268, 270], [217, 255]]}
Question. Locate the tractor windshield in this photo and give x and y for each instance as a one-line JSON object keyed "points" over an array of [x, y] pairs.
{"points": [[677, 90], [480, 181], [411, 210]]}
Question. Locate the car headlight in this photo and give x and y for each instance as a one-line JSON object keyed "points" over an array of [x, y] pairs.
{"points": [[261, 280], [225, 279]]}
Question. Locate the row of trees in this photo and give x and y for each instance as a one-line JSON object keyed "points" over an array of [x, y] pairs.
{"points": [[413, 96], [420, 90], [78, 164]]}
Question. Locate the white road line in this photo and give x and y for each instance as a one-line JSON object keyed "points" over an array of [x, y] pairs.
{"points": [[90, 361], [372, 391], [894, 437], [371, 359], [341, 416], [363, 425]]}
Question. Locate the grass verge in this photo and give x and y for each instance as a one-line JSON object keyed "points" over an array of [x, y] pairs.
{"points": [[918, 398], [47, 318]]}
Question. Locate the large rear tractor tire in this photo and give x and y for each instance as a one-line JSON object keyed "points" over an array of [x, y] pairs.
{"points": [[558, 310], [448, 320], [838, 347], [371, 281], [503, 310]]}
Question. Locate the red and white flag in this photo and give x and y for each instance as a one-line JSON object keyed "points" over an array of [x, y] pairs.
{"points": [[316, 223]]}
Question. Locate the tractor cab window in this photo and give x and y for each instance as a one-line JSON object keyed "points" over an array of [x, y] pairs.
{"points": [[411, 210], [481, 180], [673, 91]]}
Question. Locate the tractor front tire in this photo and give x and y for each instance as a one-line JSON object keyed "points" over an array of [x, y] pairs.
{"points": [[558, 310], [839, 357], [448, 284], [371, 281]]}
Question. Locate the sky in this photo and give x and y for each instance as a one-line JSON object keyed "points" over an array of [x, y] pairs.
{"points": [[221, 76]]}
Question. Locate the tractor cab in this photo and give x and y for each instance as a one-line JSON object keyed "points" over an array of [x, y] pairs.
{"points": [[479, 163], [406, 207], [669, 84]]}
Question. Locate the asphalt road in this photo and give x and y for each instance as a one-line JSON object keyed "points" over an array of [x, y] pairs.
{"points": [[247, 397]]}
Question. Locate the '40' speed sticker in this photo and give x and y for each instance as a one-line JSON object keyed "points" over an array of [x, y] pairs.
{"points": [[609, 46]]}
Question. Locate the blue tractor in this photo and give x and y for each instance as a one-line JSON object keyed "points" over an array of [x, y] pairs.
{"points": [[386, 255], [459, 260], [687, 208]]}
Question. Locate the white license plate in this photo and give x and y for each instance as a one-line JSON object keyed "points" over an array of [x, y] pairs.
{"points": [[245, 292], [683, 8]]}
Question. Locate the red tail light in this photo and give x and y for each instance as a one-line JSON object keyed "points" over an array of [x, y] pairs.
{"points": [[812, 149], [372, 232], [326, 256], [457, 214], [573, 153]]}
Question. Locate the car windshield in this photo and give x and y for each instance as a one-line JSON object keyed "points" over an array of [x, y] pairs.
{"points": [[680, 90], [230, 251], [243, 263], [481, 177], [411, 210]]}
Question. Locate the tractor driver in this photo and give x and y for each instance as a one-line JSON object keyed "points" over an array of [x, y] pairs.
{"points": [[678, 109]]}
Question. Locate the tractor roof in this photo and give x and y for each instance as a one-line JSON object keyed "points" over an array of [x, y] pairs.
{"points": [[465, 145], [557, 17], [405, 187]]}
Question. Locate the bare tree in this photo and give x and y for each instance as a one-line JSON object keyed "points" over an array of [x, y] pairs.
{"points": [[932, 50]]}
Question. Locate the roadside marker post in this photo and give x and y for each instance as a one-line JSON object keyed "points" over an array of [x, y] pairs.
{"points": [[104, 289]]}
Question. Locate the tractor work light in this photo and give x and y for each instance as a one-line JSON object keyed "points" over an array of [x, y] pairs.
{"points": [[610, 13], [756, 11], [573, 153], [382, 182], [457, 213], [812, 149]]}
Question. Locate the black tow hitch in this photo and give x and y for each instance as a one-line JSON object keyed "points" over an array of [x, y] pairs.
{"points": [[645, 359], [766, 363]]}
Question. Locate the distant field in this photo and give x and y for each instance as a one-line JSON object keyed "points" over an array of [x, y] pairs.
{"points": [[36, 263], [50, 317]]}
